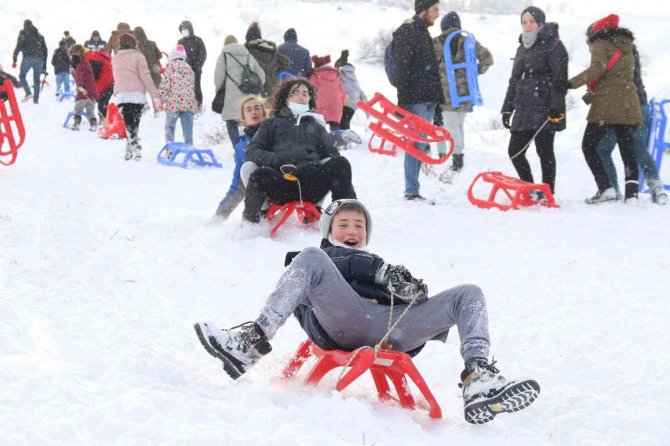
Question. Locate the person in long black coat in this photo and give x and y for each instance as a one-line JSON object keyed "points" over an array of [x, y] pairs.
{"points": [[196, 54], [535, 99]]}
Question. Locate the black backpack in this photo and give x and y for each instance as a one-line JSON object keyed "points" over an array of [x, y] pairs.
{"points": [[250, 83]]}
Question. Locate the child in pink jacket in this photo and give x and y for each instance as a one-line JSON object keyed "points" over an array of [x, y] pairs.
{"points": [[331, 95], [177, 94]]}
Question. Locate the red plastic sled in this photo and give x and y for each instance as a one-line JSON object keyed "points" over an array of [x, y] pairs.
{"points": [[516, 191], [11, 125], [386, 364], [399, 128], [114, 125], [305, 212]]}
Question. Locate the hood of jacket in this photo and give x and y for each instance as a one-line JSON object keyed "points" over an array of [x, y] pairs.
{"points": [[264, 50], [348, 71], [622, 38], [327, 73], [547, 33], [236, 50], [188, 25]]}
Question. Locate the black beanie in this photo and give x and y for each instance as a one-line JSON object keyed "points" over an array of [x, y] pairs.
{"points": [[343, 60], [290, 35], [451, 20], [537, 14], [422, 5]]}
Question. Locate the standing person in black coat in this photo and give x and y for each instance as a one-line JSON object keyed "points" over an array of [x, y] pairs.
{"points": [[61, 62], [536, 95], [300, 61], [69, 40], [418, 80], [196, 55], [266, 54], [34, 49]]}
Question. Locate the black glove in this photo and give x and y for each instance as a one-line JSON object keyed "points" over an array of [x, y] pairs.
{"points": [[438, 119], [506, 116], [404, 286], [555, 116]]}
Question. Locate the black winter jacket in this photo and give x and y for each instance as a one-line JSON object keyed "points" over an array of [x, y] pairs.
{"points": [[32, 43], [538, 82], [280, 141], [61, 61], [300, 63], [416, 66], [196, 53]]}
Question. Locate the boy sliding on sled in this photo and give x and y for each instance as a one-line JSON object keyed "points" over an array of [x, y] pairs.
{"points": [[341, 294]]}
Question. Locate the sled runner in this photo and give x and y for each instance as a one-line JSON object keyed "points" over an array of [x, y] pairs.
{"points": [[70, 114], [470, 67], [170, 153], [518, 193], [658, 142], [114, 126], [67, 94], [394, 127], [11, 125], [305, 212], [385, 364]]}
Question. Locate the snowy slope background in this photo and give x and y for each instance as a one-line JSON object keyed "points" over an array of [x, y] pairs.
{"points": [[105, 264]]}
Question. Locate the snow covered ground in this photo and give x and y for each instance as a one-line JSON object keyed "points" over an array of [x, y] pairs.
{"points": [[105, 264]]}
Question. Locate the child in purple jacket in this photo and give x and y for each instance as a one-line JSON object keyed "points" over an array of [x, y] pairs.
{"points": [[87, 94]]}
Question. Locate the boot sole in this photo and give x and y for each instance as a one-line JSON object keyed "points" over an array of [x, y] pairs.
{"points": [[228, 364], [513, 398]]}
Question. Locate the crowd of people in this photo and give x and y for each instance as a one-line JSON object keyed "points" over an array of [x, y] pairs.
{"points": [[295, 109]]}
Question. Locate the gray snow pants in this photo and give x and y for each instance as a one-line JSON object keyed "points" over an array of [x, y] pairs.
{"points": [[352, 321]]}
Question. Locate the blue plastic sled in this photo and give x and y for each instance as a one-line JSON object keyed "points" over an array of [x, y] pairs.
{"points": [[182, 153], [70, 114], [658, 142], [470, 67], [67, 94]]}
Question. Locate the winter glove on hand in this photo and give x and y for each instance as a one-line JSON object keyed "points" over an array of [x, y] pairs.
{"points": [[555, 116], [506, 116], [14, 65], [438, 119], [401, 283]]}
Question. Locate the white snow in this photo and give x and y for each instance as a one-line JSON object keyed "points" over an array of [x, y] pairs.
{"points": [[105, 264]]}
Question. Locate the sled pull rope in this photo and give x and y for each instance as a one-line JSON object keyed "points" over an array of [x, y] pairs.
{"points": [[531, 140], [289, 177]]}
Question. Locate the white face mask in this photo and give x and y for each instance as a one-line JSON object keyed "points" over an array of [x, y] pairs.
{"points": [[185, 33], [298, 109]]}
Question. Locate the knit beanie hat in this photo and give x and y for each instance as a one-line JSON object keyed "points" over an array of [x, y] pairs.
{"points": [[611, 21], [320, 61], [229, 39], [451, 20], [422, 5], [343, 60], [290, 35], [177, 53], [537, 14], [253, 33], [127, 39], [122, 26], [332, 210]]}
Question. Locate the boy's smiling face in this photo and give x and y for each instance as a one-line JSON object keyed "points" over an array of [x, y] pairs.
{"points": [[349, 228]]}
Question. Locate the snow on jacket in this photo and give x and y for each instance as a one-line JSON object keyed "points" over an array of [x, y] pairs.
{"points": [[484, 58], [418, 80], [196, 52], [32, 44], [354, 91], [272, 62], [177, 88], [280, 141], [101, 63], [83, 77], [615, 99], [230, 72], [132, 79], [330, 92], [538, 82], [60, 60], [300, 61]]}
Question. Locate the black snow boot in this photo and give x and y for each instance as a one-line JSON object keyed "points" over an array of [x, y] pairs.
{"points": [[457, 163]]}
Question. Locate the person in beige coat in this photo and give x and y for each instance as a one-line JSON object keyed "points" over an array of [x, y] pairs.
{"points": [[228, 70], [614, 103]]}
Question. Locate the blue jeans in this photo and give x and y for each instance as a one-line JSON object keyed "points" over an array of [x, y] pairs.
{"points": [[232, 125], [186, 125], [64, 80], [644, 159], [412, 165], [34, 63]]}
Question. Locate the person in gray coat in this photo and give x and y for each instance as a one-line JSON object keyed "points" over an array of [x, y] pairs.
{"points": [[354, 91], [228, 70]]}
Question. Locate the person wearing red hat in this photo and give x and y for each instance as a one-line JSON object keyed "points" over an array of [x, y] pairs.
{"points": [[331, 95], [615, 104]]}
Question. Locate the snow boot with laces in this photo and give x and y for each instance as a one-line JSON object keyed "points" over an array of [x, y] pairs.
{"points": [[486, 393], [239, 347]]}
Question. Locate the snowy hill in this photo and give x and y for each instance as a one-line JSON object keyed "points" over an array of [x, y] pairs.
{"points": [[105, 264]]}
